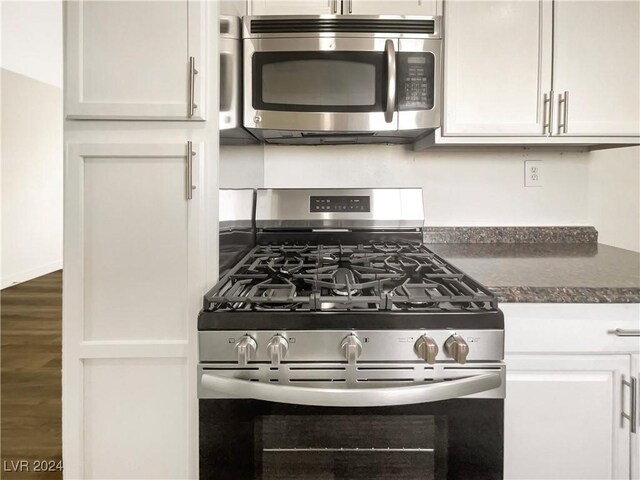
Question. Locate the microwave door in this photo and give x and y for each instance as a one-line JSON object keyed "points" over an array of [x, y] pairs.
{"points": [[419, 87], [326, 84]]}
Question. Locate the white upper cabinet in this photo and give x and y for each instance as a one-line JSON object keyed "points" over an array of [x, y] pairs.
{"points": [[597, 61], [390, 7], [135, 59], [294, 7], [345, 7], [497, 67]]}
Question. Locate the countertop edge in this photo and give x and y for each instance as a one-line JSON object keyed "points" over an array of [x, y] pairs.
{"points": [[566, 294]]}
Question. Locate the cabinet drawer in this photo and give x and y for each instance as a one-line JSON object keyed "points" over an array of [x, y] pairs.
{"points": [[579, 328]]}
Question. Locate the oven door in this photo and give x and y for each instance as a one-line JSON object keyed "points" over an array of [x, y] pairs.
{"points": [[252, 439], [321, 84], [403, 429]]}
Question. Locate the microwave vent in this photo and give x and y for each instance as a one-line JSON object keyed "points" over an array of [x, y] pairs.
{"points": [[344, 25]]}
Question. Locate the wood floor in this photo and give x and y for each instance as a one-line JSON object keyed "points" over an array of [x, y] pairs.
{"points": [[31, 357]]}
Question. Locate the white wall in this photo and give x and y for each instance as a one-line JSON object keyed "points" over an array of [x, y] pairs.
{"points": [[241, 166], [614, 196], [32, 39], [32, 152], [463, 188]]}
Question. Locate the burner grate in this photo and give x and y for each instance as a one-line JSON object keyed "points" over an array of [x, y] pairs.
{"points": [[361, 277]]}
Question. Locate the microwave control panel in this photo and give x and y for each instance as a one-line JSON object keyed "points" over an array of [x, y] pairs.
{"points": [[328, 204], [416, 82]]}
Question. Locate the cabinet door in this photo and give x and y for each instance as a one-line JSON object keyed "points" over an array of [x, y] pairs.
{"points": [[597, 60], [294, 7], [131, 298], [390, 7], [497, 67], [131, 60], [563, 417]]}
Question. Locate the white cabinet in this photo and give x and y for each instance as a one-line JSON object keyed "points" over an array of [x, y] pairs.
{"points": [[132, 263], [294, 7], [563, 417], [566, 392], [390, 7], [135, 59], [497, 66], [509, 64], [597, 61], [345, 7]]}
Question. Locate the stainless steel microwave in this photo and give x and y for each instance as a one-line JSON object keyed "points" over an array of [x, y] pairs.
{"points": [[341, 79]]}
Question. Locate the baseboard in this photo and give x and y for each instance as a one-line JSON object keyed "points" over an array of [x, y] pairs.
{"points": [[17, 278]]}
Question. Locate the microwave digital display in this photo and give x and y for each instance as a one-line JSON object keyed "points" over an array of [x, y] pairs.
{"points": [[328, 204]]}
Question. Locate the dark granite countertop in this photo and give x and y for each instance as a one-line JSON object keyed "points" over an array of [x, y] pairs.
{"points": [[549, 272]]}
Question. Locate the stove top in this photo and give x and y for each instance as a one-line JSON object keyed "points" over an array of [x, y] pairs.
{"points": [[376, 276]]}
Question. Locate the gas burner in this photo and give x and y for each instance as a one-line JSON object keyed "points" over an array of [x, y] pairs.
{"points": [[344, 277]]}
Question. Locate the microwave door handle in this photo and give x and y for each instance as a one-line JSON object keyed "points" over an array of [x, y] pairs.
{"points": [[390, 53], [351, 397]]}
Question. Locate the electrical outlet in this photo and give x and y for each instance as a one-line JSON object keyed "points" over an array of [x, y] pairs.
{"points": [[533, 173]]}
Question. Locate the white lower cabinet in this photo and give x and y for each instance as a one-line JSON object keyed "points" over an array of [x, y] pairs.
{"points": [[563, 417], [130, 290], [569, 374]]}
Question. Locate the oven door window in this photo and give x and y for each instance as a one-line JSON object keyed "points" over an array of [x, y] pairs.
{"points": [[318, 81], [294, 447], [449, 440]]}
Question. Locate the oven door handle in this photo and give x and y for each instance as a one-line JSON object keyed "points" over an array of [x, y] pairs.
{"points": [[351, 397]]}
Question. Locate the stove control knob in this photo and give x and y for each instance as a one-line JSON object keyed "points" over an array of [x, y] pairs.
{"points": [[427, 349], [246, 348], [277, 348], [457, 348], [351, 348]]}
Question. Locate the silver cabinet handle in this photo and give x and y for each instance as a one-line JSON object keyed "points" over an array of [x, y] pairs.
{"points": [[622, 332], [390, 52], [350, 6], [351, 397], [546, 114], [632, 416], [335, 6], [190, 186], [192, 86], [563, 112]]}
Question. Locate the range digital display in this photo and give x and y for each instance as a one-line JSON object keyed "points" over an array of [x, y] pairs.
{"points": [[328, 204]]}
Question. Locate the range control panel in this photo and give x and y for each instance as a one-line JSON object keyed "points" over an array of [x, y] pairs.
{"points": [[416, 81], [342, 203]]}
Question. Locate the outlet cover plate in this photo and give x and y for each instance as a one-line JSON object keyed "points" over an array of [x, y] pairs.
{"points": [[533, 173]]}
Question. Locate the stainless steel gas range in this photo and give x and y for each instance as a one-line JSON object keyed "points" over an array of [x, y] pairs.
{"points": [[341, 347]]}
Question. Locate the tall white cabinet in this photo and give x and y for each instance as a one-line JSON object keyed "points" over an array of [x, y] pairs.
{"points": [[135, 59], [130, 278], [140, 232]]}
